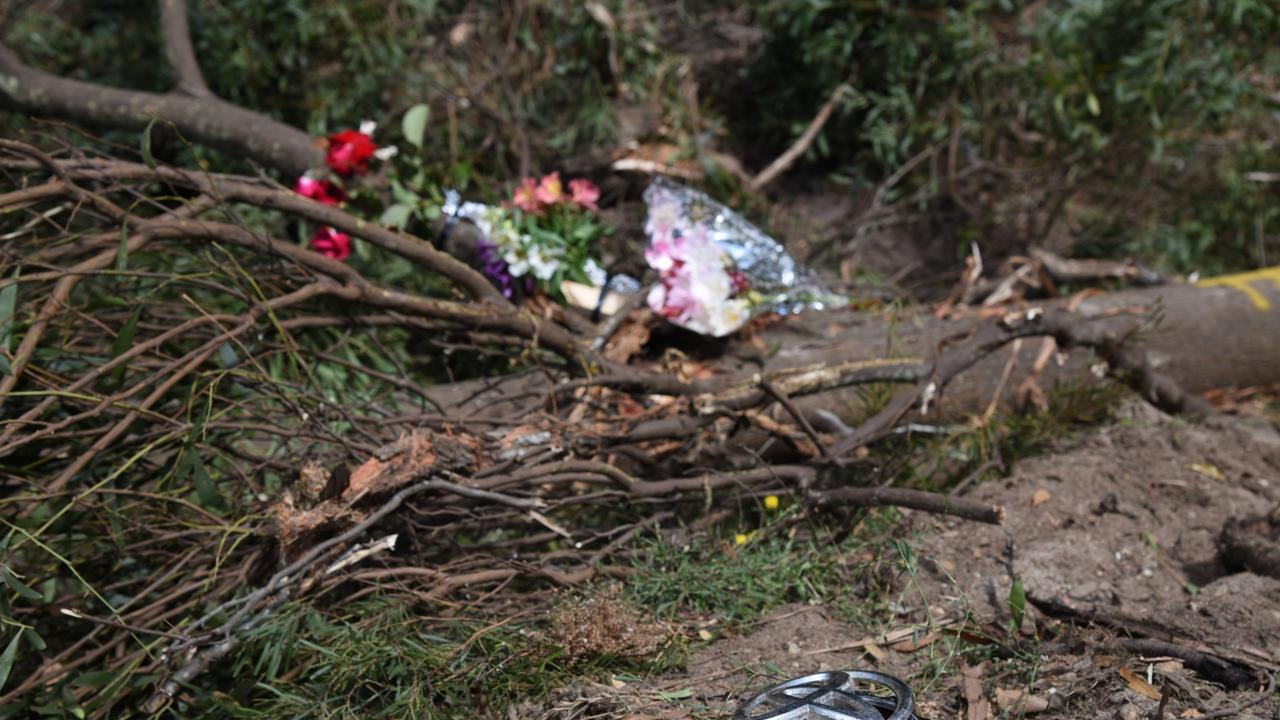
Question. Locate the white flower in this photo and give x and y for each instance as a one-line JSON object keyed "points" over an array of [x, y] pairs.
{"points": [[367, 127], [386, 153], [517, 260], [544, 261], [727, 316]]}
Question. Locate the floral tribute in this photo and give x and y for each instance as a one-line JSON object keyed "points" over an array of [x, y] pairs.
{"points": [[542, 237], [698, 287], [347, 155], [715, 269]]}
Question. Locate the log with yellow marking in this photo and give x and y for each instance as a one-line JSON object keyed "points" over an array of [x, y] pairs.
{"points": [[1250, 284]]}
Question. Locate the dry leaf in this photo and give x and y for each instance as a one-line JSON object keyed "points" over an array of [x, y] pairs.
{"points": [[1210, 471], [704, 635], [874, 651], [913, 644], [1138, 685], [630, 338], [971, 686], [1017, 699], [1040, 497]]}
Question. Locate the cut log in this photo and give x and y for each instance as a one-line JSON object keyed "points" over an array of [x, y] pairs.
{"points": [[1220, 333]]}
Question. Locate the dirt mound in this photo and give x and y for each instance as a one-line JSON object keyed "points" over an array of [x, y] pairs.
{"points": [[1125, 525]]}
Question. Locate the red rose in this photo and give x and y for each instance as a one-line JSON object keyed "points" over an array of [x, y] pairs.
{"points": [[349, 152], [322, 191], [332, 244]]}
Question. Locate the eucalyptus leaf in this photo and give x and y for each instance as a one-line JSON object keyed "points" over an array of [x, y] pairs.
{"points": [[205, 489], [8, 312], [6, 658], [146, 145], [396, 216], [414, 124], [17, 586], [123, 341], [122, 256]]}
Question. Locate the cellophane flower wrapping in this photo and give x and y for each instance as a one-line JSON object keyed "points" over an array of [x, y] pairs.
{"points": [[716, 270]]}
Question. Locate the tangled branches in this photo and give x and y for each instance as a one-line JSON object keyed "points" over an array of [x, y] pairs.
{"points": [[191, 391]]}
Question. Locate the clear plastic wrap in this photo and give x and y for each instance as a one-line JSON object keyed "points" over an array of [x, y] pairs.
{"points": [[716, 269]]}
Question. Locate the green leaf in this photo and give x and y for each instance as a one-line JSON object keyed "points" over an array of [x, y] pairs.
{"points": [[95, 680], [396, 216], [8, 307], [35, 640], [146, 145], [123, 341], [1017, 603], [17, 586], [227, 356], [1095, 109], [122, 256], [414, 124], [6, 658], [200, 480]]}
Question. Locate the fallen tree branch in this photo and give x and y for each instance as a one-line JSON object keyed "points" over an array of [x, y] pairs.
{"points": [[788, 158], [205, 119], [904, 497], [179, 51]]}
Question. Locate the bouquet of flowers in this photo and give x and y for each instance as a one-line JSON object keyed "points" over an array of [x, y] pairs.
{"points": [[542, 237], [716, 270], [347, 155]]}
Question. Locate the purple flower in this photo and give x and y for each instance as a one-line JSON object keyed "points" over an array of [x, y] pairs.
{"points": [[496, 269]]}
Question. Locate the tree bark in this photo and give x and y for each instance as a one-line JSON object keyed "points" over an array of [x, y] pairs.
{"points": [[178, 49], [1222, 333], [206, 119]]}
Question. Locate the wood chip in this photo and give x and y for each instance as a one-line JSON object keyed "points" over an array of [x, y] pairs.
{"points": [[971, 686], [1138, 685], [1020, 701]]}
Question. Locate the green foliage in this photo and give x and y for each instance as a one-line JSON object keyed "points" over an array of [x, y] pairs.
{"points": [[1131, 102], [732, 581], [381, 659]]}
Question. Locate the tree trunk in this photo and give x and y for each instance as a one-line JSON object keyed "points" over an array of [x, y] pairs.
{"points": [[1221, 333]]}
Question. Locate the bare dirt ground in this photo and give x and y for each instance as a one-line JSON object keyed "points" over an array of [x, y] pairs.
{"points": [[1114, 536]]}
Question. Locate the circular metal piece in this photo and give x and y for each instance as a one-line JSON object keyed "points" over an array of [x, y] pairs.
{"points": [[831, 696]]}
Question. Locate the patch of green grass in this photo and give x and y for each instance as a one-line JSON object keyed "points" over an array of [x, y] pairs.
{"points": [[383, 658], [741, 574]]}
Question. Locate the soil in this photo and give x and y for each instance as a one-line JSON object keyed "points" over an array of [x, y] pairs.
{"points": [[1116, 534]]}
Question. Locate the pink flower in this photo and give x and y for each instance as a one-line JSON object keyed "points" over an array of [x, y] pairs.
{"points": [[526, 197], [661, 254], [550, 190], [349, 152], [322, 191], [585, 193], [331, 243]]}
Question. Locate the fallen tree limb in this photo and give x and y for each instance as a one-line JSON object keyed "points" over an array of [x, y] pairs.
{"points": [[196, 113], [907, 498]]}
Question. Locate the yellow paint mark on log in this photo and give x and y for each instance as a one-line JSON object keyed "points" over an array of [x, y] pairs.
{"points": [[1244, 283]]}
